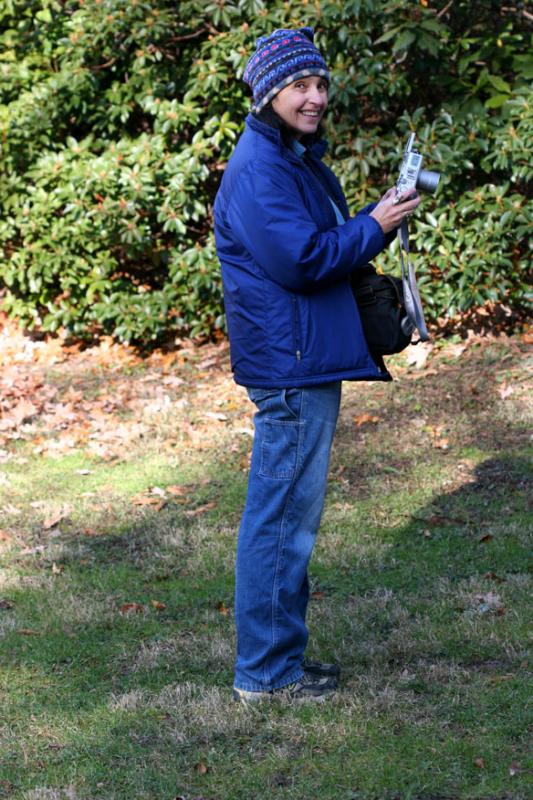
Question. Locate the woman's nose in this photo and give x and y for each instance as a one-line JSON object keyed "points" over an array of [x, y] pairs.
{"points": [[314, 98], [317, 97]]}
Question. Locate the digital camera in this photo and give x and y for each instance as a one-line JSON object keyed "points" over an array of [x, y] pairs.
{"points": [[412, 176]]}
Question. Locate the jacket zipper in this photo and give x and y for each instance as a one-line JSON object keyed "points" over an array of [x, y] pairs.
{"points": [[296, 329]]}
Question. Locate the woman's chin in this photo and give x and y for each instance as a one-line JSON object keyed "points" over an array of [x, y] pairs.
{"points": [[306, 126]]}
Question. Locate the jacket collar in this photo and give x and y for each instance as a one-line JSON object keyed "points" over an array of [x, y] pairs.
{"points": [[317, 149]]}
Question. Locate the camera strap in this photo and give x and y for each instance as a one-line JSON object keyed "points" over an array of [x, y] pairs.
{"points": [[411, 295]]}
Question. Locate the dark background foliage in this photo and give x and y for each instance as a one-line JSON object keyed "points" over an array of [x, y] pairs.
{"points": [[118, 116]]}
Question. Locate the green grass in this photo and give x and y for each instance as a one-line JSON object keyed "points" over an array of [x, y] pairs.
{"points": [[421, 590]]}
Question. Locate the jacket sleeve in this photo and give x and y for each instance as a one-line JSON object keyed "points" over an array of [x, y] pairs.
{"points": [[267, 213]]}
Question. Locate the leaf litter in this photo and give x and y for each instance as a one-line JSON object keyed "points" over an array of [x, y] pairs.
{"points": [[101, 401], [104, 398]]}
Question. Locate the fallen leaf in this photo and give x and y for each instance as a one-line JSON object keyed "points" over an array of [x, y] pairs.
{"points": [[195, 512], [157, 605], [505, 391], [73, 395], [223, 609], [28, 632], [455, 350], [55, 518], [415, 376], [490, 597], [11, 509], [131, 608], [318, 595], [417, 355], [500, 678], [487, 538], [489, 602], [172, 380], [201, 768], [441, 519], [208, 362], [177, 491], [491, 576], [245, 431], [362, 419], [479, 763], [22, 412], [149, 500]]}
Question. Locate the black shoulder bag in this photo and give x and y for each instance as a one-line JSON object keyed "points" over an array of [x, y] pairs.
{"points": [[390, 308]]}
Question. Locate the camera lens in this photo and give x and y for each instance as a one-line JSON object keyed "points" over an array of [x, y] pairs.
{"points": [[427, 181]]}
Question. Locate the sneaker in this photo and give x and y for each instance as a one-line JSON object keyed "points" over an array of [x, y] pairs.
{"points": [[314, 687], [308, 687], [323, 670]]}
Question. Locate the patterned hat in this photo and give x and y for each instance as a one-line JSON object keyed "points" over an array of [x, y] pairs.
{"points": [[280, 59]]}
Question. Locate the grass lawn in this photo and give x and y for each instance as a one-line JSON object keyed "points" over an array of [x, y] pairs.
{"points": [[120, 495]]}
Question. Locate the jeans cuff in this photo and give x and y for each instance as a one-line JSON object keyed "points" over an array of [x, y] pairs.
{"points": [[258, 687]]}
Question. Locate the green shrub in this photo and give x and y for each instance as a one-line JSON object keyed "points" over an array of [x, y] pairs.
{"points": [[118, 116]]}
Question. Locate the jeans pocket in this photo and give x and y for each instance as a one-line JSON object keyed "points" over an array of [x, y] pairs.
{"points": [[279, 449], [292, 400]]}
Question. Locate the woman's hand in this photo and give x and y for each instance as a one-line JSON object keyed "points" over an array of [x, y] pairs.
{"points": [[389, 213]]}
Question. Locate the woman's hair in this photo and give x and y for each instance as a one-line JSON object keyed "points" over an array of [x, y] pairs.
{"points": [[268, 116]]}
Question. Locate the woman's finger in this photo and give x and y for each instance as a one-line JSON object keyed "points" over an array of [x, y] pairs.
{"points": [[389, 193], [409, 205]]}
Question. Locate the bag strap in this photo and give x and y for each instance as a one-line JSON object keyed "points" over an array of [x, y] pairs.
{"points": [[411, 295]]}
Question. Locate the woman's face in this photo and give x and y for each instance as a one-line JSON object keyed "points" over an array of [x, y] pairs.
{"points": [[301, 105]]}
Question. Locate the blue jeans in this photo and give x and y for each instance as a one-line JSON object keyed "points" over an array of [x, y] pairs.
{"points": [[294, 431]]}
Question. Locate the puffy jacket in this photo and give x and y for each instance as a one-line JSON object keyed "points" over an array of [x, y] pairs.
{"points": [[286, 266]]}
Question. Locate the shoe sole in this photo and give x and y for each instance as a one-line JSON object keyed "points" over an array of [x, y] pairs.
{"points": [[281, 695]]}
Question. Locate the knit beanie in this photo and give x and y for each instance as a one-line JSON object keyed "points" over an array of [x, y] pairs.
{"points": [[280, 59]]}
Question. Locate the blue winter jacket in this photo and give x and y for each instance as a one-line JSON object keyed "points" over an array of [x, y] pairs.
{"points": [[286, 266]]}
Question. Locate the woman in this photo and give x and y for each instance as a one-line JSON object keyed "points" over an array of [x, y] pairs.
{"points": [[287, 247]]}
